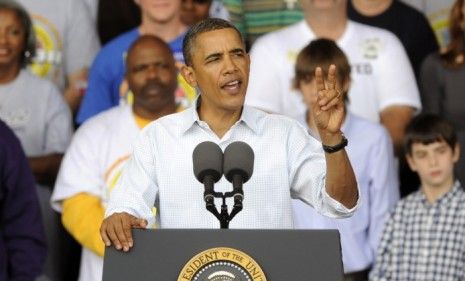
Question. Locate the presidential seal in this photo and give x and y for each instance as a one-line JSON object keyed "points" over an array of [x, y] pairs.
{"points": [[222, 264]]}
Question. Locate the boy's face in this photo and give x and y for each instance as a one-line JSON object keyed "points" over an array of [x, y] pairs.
{"points": [[434, 163]]}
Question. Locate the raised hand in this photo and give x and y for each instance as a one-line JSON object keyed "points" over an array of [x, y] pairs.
{"points": [[116, 229], [328, 110]]}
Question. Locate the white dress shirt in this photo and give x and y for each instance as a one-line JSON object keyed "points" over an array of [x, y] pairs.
{"points": [[288, 163]]}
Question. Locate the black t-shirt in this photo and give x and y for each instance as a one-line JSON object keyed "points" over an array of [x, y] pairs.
{"points": [[408, 24]]}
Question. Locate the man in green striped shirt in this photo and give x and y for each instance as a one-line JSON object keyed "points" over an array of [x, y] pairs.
{"points": [[257, 17]]}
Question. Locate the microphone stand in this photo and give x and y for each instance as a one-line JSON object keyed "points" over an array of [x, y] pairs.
{"points": [[224, 217]]}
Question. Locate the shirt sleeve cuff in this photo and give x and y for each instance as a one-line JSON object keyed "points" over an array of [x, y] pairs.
{"points": [[338, 209]]}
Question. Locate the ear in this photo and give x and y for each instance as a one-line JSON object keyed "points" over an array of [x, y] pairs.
{"points": [[189, 75], [411, 162]]}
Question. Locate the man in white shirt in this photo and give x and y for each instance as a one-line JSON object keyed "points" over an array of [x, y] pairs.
{"points": [[383, 84], [101, 147], [288, 162]]}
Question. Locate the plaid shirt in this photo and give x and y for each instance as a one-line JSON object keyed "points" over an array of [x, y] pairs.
{"points": [[424, 241]]}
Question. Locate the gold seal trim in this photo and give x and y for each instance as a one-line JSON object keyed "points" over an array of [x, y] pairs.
{"points": [[213, 255]]}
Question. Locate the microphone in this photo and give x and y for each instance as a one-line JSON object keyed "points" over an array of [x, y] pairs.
{"points": [[238, 168], [208, 167]]}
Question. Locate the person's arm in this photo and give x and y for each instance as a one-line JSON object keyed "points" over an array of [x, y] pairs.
{"points": [[45, 168], [395, 119], [20, 220], [82, 215], [328, 112], [397, 91]]}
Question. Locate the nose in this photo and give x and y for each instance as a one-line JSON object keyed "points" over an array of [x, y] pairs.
{"points": [[230, 65], [432, 160], [152, 72]]}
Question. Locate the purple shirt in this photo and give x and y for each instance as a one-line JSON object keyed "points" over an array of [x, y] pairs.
{"points": [[22, 238]]}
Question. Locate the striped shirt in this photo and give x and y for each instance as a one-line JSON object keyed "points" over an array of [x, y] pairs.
{"points": [[257, 17], [424, 241]]}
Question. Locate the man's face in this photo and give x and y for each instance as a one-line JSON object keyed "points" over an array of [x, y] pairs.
{"points": [[193, 11], [12, 38], [220, 68], [151, 75], [434, 163], [160, 11]]}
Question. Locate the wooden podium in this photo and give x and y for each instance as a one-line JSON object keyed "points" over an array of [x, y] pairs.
{"points": [[186, 254]]}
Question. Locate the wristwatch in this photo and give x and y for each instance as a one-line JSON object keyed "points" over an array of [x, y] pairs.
{"points": [[337, 147]]}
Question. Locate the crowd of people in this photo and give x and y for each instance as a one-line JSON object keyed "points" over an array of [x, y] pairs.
{"points": [[354, 114]]}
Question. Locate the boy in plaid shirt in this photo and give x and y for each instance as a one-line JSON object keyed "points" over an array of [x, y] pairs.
{"points": [[424, 238]]}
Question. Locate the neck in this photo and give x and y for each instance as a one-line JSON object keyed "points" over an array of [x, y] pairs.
{"points": [[433, 193], [371, 8], [167, 31], [329, 23], [9, 73], [151, 114], [219, 121]]}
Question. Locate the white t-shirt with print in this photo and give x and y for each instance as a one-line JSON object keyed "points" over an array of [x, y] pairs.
{"points": [[93, 164], [381, 73]]}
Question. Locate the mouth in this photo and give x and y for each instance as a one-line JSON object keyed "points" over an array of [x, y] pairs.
{"points": [[435, 173], [153, 88], [232, 87], [4, 51]]}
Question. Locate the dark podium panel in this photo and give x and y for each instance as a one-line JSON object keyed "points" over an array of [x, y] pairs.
{"points": [[283, 255]]}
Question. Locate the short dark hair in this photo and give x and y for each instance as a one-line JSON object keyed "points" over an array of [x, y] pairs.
{"points": [[30, 38], [203, 26], [427, 128], [320, 53]]}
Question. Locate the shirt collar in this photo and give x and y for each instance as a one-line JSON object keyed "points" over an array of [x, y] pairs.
{"points": [[190, 117], [445, 199]]}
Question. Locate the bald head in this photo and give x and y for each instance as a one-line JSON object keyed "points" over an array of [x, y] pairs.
{"points": [[144, 42], [151, 74]]}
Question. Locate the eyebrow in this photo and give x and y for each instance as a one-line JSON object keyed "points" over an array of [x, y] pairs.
{"points": [[233, 51]]}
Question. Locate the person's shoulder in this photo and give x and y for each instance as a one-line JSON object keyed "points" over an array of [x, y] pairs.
{"points": [[6, 135], [407, 11], [106, 119], [9, 144], [364, 31], [42, 87], [173, 122], [277, 122]]}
